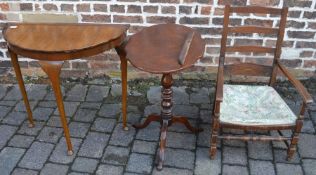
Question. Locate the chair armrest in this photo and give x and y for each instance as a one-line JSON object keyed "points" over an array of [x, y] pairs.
{"points": [[219, 84], [307, 98]]}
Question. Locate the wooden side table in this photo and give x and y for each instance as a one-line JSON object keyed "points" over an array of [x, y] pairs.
{"points": [[156, 50], [52, 44]]}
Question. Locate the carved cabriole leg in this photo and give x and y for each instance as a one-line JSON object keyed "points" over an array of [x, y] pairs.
{"points": [[120, 51], [52, 69], [17, 69], [215, 129], [166, 114], [299, 124]]}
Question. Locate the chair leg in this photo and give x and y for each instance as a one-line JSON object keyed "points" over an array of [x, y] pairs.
{"points": [[299, 125], [214, 135], [52, 69], [292, 147]]}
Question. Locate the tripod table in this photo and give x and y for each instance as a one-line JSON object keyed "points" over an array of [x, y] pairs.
{"points": [[165, 49]]}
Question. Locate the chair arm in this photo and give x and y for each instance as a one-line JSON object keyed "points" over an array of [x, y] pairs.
{"points": [[307, 98], [219, 84]]}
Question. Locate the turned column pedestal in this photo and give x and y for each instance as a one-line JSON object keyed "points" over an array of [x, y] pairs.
{"points": [[156, 50]]}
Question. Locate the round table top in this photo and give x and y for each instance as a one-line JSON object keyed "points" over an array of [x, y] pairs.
{"points": [[156, 49], [61, 37]]}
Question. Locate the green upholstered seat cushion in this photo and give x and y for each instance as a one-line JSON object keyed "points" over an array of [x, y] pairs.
{"points": [[254, 105]]}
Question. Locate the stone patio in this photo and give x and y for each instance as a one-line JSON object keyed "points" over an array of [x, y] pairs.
{"points": [[102, 147]]}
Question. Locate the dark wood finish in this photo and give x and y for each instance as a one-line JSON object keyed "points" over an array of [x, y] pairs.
{"points": [[248, 69], [279, 42], [166, 118], [183, 120], [185, 48], [307, 98], [255, 9], [156, 49], [255, 70], [253, 29], [254, 138], [258, 49], [149, 119], [51, 44]]}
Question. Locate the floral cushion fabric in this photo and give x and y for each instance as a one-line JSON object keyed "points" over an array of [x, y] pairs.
{"points": [[254, 105]]}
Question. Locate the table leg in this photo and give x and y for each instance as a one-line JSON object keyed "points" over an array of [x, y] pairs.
{"points": [[166, 118], [162, 143], [186, 123], [52, 69], [17, 69], [120, 51], [166, 115]]}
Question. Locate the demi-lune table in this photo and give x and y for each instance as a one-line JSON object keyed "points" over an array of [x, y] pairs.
{"points": [[165, 49], [52, 44]]}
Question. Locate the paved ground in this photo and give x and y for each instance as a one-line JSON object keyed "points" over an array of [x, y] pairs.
{"points": [[102, 147]]}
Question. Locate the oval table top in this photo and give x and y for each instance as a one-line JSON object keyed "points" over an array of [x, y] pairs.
{"points": [[156, 49], [61, 37]]}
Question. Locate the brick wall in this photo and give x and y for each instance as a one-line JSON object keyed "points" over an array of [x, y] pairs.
{"points": [[299, 47]]}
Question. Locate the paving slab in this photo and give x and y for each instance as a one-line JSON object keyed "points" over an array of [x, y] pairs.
{"points": [[9, 157], [234, 170], [286, 169], [59, 154], [204, 165], [93, 145], [121, 137], [261, 167], [53, 169], [97, 93], [6, 132], [84, 165], [77, 93], [140, 163], [78, 129], [36, 156], [116, 155], [109, 170], [21, 141]]}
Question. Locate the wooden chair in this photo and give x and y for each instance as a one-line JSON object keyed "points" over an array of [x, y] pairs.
{"points": [[250, 107]]}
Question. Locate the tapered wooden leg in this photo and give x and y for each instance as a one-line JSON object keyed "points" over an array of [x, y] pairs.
{"points": [[215, 130], [162, 144], [299, 124], [17, 69], [185, 121], [122, 55], [52, 69], [150, 118]]}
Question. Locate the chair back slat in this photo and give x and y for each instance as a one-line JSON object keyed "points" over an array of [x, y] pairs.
{"points": [[257, 49], [255, 9], [249, 69], [253, 29]]}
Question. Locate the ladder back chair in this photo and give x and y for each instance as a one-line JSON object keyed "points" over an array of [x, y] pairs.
{"points": [[254, 107]]}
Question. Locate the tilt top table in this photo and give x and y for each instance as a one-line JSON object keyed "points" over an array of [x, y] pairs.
{"points": [[165, 49], [52, 44]]}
